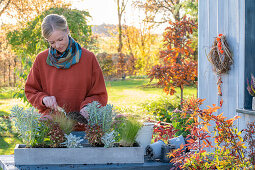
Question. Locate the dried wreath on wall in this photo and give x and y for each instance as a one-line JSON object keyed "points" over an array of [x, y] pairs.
{"points": [[221, 58], [220, 55]]}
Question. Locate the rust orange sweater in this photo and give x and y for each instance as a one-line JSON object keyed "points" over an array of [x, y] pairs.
{"points": [[73, 88]]}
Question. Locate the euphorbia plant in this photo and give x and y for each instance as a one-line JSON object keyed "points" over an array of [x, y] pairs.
{"points": [[41, 130], [99, 123], [28, 125]]}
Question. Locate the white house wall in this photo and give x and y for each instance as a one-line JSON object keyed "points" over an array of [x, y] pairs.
{"points": [[222, 17]]}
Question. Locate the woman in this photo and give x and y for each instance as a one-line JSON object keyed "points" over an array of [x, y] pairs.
{"points": [[65, 75]]}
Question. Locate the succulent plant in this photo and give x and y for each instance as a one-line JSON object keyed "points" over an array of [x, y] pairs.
{"points": [[56, 135], [72, 141], [94, 134], [251, 88]]}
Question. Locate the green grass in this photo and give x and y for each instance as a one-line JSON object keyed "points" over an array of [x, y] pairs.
{"points": [[6, 92], [127, 96], [7, 144], [8, 138]]}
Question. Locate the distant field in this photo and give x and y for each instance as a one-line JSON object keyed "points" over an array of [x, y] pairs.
{"points": [[127, 96]]}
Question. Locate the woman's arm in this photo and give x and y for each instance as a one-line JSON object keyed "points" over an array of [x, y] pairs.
{"points": [[33, 89]]}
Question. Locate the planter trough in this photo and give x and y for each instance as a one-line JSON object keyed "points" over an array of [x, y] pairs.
{"points": [[86, 155]]}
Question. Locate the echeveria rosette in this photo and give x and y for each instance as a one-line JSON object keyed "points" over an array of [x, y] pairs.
{"points": [[251, 88]]}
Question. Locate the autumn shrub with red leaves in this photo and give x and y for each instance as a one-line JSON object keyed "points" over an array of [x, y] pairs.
{"points": [[163, 131], [228, 151], [249, 137]]}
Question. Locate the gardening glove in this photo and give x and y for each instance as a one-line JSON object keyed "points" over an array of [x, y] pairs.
{"points": [[84, 113], [50, 102]]}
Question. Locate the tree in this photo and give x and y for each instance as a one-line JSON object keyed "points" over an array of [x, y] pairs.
{"points": [[4, 5], [15, 14], [28, 42], [121, 6], [162, 11], [179, 66], [106, 64], [25, 10], [8, 61], [142, 46]]}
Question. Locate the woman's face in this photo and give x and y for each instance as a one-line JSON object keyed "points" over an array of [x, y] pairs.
{"points": [[59, 40]]}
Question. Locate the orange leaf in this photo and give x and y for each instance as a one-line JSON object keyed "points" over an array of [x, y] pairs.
{"points": [[221, 102]]}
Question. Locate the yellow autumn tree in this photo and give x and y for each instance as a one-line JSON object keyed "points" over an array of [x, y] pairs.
{"points": [[15, 14]]}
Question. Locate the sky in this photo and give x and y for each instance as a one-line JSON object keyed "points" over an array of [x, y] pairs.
{"points": [[105, 11], [102, 11]]}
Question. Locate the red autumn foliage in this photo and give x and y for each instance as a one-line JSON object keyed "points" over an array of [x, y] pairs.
{"points": [[163, 131], [179, 67], [229, 146], [249, 137]]}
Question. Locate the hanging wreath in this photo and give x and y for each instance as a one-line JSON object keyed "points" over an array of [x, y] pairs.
{"points": [[220, 55], [221, 58]]}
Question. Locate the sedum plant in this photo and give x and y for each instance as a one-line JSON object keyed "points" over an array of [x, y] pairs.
{"points": [[56, 135], [27, 123], [72, 141], [94, 133]]}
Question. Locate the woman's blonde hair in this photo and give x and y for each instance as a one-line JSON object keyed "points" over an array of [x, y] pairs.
{"points": [[53, 22]]}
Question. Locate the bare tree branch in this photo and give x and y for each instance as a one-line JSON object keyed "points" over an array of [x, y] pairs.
{"points": [[5, 7]]}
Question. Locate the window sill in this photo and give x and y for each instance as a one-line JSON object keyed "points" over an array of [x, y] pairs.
{"points": [[246, 111]]}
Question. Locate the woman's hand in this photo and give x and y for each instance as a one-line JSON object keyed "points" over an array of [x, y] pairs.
{"points": [[50, 102], [84, 113]]}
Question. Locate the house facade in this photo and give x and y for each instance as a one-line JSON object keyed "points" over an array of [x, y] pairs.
{"points": [[236, 20]]}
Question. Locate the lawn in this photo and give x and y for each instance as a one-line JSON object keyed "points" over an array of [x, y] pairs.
{"points": [[133, 92], [126, 96]]}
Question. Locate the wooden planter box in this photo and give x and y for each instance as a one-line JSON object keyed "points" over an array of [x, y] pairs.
{"points": [[86, 155]]}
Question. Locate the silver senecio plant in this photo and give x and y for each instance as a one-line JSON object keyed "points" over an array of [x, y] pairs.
{"points": [[108, 139], [100, 115], [26, 123], [72, 141]]}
